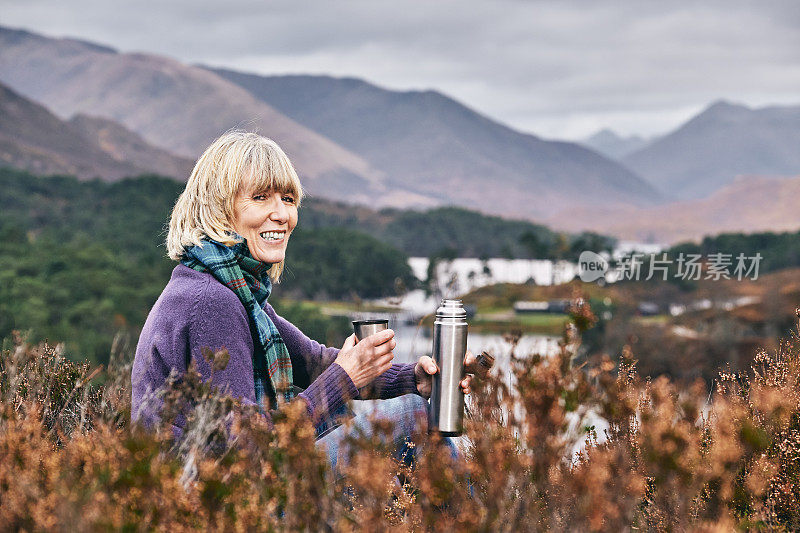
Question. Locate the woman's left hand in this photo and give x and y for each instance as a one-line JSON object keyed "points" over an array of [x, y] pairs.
{"points": [[426, 367]]}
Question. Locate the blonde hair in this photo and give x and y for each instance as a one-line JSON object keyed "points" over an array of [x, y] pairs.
{"points": [[205, 207]]}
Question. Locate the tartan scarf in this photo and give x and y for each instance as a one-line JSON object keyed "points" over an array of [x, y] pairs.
{"points": [[235, 268]]}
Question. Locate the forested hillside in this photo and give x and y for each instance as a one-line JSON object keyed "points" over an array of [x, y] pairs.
{"points": [[778, 250], [454, 232], [82, 260]]}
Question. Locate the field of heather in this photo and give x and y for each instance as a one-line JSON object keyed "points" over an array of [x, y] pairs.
{"points": [[666, 458]]}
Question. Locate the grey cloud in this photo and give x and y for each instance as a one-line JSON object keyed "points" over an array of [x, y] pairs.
{"points": [[558, 68]]}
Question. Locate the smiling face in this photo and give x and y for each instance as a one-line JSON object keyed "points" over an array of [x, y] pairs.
{"points": [[266, 219]]}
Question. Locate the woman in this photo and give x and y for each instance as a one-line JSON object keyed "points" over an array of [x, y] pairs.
{"points": [[229, 231]]}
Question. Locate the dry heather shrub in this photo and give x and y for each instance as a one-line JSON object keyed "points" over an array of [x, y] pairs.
{"points": [[69, 459], [565, 447]]}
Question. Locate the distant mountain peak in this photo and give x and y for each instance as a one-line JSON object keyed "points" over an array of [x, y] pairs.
{"points": [[722, 109], [610, 143], [721, 142], [605, 133], [725, 105]]}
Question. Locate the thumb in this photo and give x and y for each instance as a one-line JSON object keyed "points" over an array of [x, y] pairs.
{"points": [[349, 343], [429, 365]]}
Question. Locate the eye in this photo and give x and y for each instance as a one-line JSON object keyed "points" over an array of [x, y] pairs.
{"points": [[259, 197], [288, 198]]}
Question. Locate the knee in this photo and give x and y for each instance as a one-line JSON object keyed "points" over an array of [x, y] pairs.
{"points": [[417, 402], [414, 413]]}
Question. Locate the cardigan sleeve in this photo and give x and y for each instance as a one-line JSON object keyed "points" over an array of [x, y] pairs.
{"points": [[219, 321], [310, 359]]}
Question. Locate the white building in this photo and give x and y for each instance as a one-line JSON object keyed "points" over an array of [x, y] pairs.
{"points": [[462, 275]]}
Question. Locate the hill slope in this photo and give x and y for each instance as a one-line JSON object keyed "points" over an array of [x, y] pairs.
{"points": [[34, 139], [749, 204], [719, 144], [174, 106], [31, 137], [440, 148], [125, 146]]}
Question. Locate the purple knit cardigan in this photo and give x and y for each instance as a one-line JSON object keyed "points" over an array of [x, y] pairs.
{"points": [[196, 311]]}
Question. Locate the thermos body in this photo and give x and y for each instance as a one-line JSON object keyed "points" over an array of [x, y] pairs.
{"points": [[449, 349]]}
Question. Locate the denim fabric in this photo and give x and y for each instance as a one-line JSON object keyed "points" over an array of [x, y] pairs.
{"points": [[410, 416]]}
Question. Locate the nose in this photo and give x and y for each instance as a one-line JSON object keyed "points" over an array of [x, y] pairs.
{"points": [[279, 212]]}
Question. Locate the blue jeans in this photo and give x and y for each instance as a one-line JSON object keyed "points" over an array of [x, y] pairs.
{"points": [[409, 413]]}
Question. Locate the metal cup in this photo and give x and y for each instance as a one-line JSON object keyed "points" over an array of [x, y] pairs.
{"points": [[365, 328]]}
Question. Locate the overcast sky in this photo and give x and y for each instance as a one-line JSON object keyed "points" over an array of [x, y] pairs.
{"points": [[560, 69]]}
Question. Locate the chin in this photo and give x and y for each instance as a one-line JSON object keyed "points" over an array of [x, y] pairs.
{"points": [[266, 256], [270, 258]]}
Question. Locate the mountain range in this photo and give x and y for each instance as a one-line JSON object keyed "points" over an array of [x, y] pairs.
{"points": [[353, 142], [445, 150], [69, 106], [718, 145], [176, 107]]}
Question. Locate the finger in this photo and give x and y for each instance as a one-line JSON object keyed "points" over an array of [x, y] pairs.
{"points": [[382, 366], [469, 358], [349, 342], [428, 364], [376, 339], [419, 370], [384, 359], [466, 382], [384, 348]]}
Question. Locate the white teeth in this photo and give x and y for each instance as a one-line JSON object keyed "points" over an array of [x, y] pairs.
{"points": [[272, 235]]}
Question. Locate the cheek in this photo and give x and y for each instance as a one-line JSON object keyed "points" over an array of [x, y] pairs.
{"points": [[249, 219]]}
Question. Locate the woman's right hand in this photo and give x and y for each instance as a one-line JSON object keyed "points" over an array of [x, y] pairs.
{"points": [[369, 358]]}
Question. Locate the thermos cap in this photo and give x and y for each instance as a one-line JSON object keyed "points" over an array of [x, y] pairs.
{"points": [[451, 309]]}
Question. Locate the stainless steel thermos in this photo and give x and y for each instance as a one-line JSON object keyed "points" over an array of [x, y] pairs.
{"points": [[449, 349]]}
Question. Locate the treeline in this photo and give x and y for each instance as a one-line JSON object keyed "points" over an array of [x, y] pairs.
{"points": [[83, 260], [778, 250], [455, 232]]}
